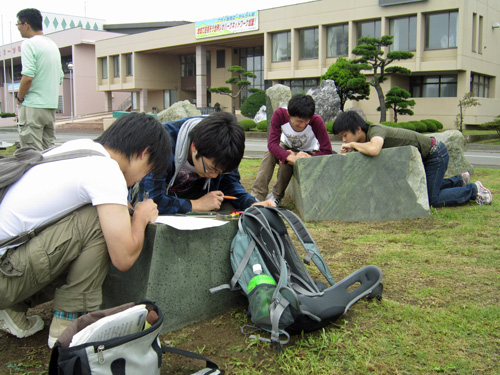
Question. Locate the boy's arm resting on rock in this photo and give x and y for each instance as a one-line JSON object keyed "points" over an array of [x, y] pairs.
{"points": [[371, 148], [124, 236]]}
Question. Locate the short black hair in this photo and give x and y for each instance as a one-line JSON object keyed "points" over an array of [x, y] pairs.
{"points": [[349, 121], [133, 133], [221, 138], [301, 106], [31, 16]]}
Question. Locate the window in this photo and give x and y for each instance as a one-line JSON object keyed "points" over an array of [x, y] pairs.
{"points": [[480, 85], [281, 44], [337, 39], [300, 86], [116, 66], [252, 60], [129, 64], [441, 30], [404, 31], [308, 43], [169, 98], [370, 29], [221, 58], [104, 67], [188, 65], [435, 86], [480, 35]]}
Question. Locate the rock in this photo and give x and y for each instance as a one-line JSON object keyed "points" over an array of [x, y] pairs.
{"points": [[358, 111], [455, 142], [276, 96], [261, 115], [327, 100], [357, 187], [178, 110]]}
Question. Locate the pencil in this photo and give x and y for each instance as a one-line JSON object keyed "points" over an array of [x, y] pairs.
{"points": [[229, 197]]}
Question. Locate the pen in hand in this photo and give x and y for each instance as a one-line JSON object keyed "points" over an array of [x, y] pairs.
{"points": [[229, 197], [146, 195]]}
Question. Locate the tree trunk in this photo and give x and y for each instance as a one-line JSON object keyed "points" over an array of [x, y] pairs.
{"points": [[381, 100]]}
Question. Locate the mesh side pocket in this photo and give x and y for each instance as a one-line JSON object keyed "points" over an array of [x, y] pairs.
{"points": [[259, 300]]}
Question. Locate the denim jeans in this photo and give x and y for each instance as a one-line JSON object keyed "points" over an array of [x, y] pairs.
{"points": [[445, 191]]}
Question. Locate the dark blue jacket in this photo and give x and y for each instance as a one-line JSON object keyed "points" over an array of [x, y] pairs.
{"points": [[229, 184]]}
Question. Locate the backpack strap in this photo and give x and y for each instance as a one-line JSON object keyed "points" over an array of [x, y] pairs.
{"points": [[212, 367], [307, 241]]}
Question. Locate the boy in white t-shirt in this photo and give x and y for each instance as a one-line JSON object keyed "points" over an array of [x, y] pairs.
{"points": [[86, 199], [296, 132]]}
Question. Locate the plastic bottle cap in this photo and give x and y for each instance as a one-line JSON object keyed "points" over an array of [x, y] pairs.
{"points": [[257, 269]]}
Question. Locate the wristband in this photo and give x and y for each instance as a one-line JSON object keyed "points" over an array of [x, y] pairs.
{"points": [[18, 98]]}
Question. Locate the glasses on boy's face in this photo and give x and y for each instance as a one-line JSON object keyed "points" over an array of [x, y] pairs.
{"points": [[211, 172]]}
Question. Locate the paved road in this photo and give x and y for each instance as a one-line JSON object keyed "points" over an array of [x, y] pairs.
{"points": [[479, 156]]}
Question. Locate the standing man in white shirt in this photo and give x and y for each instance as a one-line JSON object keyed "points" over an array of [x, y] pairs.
{"points": [[38, 95]]}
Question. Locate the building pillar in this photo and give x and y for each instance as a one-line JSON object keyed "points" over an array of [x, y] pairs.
{"points": [[201, 76], [143, 101], [108, 101]]}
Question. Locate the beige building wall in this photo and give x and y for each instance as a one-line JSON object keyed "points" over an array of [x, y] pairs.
{"points": [[157, 66]]}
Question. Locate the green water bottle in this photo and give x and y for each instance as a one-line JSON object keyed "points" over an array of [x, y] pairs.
{"points": [[259, 278]]}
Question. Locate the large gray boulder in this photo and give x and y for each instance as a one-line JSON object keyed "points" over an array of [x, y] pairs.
{"points": [[179, 110], [327, 100], [357, 187], [276, 96], [455, 142], [261, 115]]}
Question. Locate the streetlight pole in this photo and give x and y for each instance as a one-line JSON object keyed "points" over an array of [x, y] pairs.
{"points": [[70, 67]]}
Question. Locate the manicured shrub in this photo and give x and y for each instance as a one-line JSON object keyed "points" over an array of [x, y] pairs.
{"points": [[419, 126], [262, 126], [438, 124], [248, 124], [329, 126], [431, 125], [252, 104], [407, 125], [7, 114]]}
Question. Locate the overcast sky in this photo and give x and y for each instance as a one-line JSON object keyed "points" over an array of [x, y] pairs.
{"points": [[128, 11]]}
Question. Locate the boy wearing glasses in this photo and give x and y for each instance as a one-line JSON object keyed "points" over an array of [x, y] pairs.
{"points": [[203, 168], [38, 94]]}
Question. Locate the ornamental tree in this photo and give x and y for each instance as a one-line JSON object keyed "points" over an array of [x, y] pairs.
{"points": [[350, 82], [375, 59], [397, 100], [239, 79]]}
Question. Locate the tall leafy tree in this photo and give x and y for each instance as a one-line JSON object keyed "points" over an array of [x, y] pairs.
{"points": [[350, 82], [398, 100], [239, 79], [374, 58]]}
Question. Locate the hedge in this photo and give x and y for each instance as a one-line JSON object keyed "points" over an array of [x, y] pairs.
{"points": [[248, 124]]}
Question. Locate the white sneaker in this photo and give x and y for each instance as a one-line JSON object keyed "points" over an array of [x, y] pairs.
{"points": [[18, 324], [465, 178], [57, 327], [483, 196], [271, 197]]}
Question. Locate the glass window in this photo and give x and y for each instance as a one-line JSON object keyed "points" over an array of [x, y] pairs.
{"points": [[441, 30], [104, 67], [480, 85], [188, 65], [116, 66], [281, 45], [169, 98], [308, 43], [221, 58], [437, 86], [252, 60], [337, 40], [300, 86], [404, 31], [129, 64], [370, 29]]}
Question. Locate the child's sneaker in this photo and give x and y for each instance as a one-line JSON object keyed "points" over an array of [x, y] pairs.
{"points": [[465, 178], [18, 324], [483, 196]]}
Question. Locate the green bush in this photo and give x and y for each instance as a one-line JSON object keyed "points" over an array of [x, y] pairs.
{"points": [[438, 124], [419, 126], [431, 125], [248, 124], [329, 127], [407, 125], [7, 114], [252, 104], [262, 126]]}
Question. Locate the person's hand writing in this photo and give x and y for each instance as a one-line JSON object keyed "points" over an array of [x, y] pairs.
{"points": [[208, 202], [346, 147], [146, 210]]}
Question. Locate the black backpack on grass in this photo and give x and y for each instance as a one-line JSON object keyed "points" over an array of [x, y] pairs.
{"points": [[288, 300]]}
